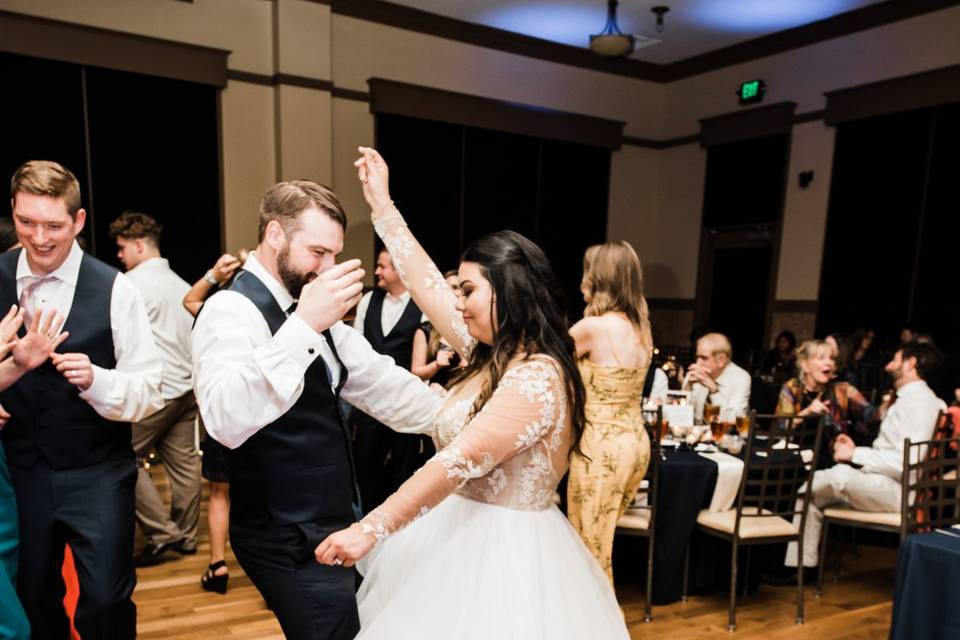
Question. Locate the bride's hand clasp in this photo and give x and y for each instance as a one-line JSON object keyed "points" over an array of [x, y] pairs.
{"points": [[375, 178], [345, 547]]}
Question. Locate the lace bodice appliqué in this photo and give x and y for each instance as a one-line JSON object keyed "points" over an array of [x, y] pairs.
{"points": [[528, 479]]}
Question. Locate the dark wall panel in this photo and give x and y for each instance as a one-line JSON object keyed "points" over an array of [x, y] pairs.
{"points": [[456, 183], [873, 221], [154, 149], [42, 112]]}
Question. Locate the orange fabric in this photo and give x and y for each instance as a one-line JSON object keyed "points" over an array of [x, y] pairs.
{"points": [[73, 590]]}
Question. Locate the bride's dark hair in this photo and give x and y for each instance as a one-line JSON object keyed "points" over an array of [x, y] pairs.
{"points": [[530, 318]]}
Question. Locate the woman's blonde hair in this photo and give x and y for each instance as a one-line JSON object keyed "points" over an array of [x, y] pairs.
{"points": [[613, 280], [807, 350]]}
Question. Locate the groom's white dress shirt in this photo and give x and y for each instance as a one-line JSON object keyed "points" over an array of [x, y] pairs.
{"points": [[245, 378]]}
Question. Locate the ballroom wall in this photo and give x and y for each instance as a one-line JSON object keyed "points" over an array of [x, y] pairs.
{"points": [[310, 127]]}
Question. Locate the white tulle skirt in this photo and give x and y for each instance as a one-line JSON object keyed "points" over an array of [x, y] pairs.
{"points": [[470, 570]]}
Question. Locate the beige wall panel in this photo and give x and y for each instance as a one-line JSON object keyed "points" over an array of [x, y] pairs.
{"points": [[248, 159], [363, 50], [305, 134], [805, 212], [803, 75], [352, 127], [304, 45], [241, 26], [634, 195], [670, 267]]}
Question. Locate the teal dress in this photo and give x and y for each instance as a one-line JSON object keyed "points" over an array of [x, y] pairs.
{"points": [[13, 621]]}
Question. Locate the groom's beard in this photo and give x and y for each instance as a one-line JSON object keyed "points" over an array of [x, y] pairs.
{"points": [[292, 279]]}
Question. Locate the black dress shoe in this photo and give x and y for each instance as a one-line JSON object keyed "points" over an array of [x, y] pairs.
{"points": [[184, 550], [788, 577], [154, 554]]}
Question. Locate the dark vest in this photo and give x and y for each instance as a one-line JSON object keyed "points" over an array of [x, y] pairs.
{"points": [[296, 469], [48, 419], [398, 344]]}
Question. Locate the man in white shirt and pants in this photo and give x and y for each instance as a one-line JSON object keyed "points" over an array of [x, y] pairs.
{"points": [[868, 478], [715, 377], [171, 431], [271, 362], [68, 437]]}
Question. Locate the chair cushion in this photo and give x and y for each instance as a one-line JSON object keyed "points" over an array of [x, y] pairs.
{"points": [[635, 519], [891, 519], [750, 527]]}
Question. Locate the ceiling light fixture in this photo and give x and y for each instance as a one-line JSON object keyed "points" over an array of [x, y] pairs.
{"points": [[611, 42], [660, 11]]}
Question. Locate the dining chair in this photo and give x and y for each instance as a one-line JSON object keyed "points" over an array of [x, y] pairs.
{"points": [[641, 520], [928, 495], [771, 506]]}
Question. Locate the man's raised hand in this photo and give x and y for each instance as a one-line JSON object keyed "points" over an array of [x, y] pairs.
{"points": [[329, 296]]}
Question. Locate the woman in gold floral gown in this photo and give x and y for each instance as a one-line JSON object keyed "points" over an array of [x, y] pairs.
{"points": [[614, 348]]}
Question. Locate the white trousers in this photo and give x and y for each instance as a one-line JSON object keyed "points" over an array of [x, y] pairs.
{"points": [[841, 484]]}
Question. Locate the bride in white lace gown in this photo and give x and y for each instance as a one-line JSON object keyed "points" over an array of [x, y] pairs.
{"points": [[472, 546]]}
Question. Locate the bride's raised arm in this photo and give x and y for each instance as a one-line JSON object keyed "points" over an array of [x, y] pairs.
{"points": [[420, 275]]}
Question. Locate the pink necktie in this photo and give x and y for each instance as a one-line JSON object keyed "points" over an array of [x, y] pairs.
{"points": [[26, 298]]}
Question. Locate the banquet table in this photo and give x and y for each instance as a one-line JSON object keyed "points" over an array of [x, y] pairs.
{"points": [[689, 481], [926, 588]]}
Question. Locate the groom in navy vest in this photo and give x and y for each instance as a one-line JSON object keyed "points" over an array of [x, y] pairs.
{"points": [[68, 437], [271, 362]]}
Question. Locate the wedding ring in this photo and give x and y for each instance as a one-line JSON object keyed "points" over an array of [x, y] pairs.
{"points": [[337, 561]]}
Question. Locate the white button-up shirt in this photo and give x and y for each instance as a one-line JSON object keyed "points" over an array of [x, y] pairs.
{"points": [[732, 396], [245, 378], [914, 416], [163, 292], [130, 391], [390, 313]]}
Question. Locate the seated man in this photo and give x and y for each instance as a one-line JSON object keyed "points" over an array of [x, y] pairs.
{"points": [[870, 481], [714, 376]]}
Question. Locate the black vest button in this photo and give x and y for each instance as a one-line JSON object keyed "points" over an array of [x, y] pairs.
{"points": [[311, 350]]}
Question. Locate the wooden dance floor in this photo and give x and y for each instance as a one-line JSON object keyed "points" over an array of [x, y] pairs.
{"points": [[171, 604]]}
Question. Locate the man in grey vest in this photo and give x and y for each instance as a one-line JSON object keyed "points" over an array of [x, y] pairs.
{"points": [[68, 437]]}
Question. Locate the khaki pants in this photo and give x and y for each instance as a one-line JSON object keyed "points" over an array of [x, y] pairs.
{"points": [[171, 432], [842, 484]]}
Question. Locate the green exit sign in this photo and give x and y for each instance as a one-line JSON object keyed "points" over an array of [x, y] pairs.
{"points": [[752, 91]]}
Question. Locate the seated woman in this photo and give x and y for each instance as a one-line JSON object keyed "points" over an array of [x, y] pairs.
{"points": [[781, 360], [433, 359], [816, 391], [842, 346]]}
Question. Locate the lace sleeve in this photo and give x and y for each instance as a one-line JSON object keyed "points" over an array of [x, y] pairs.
{"points": [[528, 406], [425, 282]]}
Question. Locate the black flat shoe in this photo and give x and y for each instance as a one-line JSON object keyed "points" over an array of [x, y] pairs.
{"points": [[154, 554], [210, 581]]}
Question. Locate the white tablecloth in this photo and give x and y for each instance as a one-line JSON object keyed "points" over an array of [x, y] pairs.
{"points": [[729, 474]]}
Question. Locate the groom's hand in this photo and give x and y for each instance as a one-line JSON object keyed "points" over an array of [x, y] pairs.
{"points": [[345, 547], [325, 299]]}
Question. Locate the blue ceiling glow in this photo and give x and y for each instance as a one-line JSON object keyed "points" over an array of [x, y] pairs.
{"points": [[763, 15], [557, 21]]}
